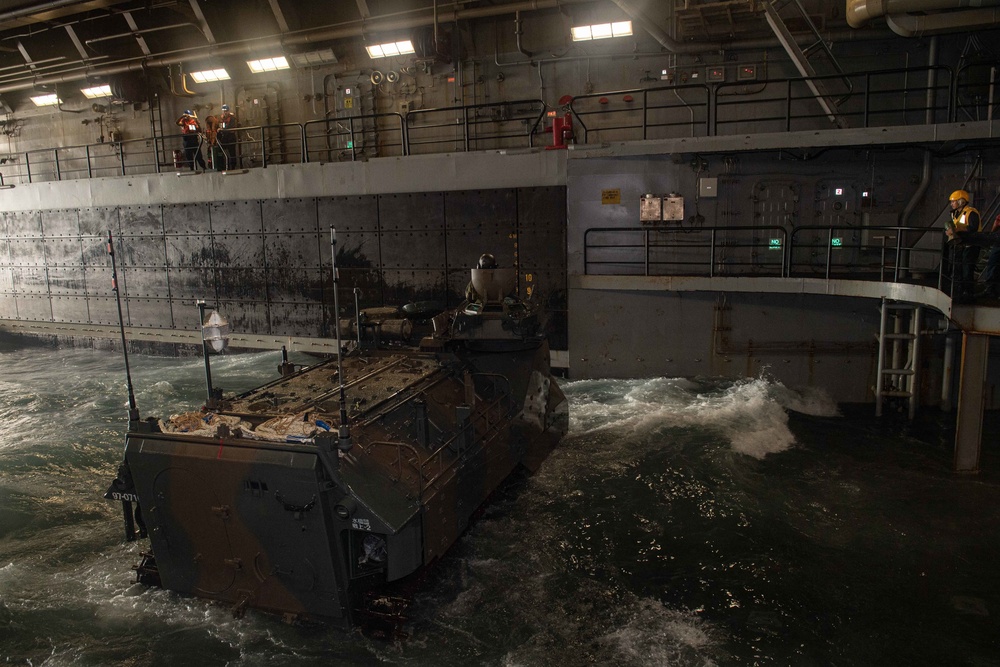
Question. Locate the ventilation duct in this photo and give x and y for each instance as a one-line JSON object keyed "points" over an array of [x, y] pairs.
{"points": [[910, 25], [859, 12]]}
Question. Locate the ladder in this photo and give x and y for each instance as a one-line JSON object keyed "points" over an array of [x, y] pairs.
{"points": [[807, 60], [157, 132], [898, 365]]}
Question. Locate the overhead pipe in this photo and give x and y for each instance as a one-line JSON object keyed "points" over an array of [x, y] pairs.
{"points": [[673, 46], [517, 36], [665, 40], [136, 33], [908, 25], [859, 12], [349, 29], [184, 92], [925, 177], [34, 9]]}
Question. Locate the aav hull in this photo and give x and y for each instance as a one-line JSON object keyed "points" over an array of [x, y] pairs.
{"points": [[258, 505]]}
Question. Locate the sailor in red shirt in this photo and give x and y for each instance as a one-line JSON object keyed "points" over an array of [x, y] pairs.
{"points": [[191, 129], [227, 136]]}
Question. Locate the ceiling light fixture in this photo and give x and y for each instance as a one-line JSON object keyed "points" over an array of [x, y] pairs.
{"points": [[46, 100], [400, 48], [96, 92], [583, 33], [268, 64], [314, 58], [209, 75]]}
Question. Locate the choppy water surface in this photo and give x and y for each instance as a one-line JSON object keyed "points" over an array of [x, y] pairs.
{"points": [[682, 522]]}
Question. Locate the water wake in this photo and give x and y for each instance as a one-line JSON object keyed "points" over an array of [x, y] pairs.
{"points": [[751, 415]]}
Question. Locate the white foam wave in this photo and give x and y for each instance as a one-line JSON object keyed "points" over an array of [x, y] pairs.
{"points": [[656, 635], [750, 414]]}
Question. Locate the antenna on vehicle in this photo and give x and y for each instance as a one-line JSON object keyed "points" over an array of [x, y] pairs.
{"points": [[344, 442], [357, 313], [133, 411]]}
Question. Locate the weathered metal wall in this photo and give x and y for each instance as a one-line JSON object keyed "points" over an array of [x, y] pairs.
{"points": [[801, 340], [266, 263]]}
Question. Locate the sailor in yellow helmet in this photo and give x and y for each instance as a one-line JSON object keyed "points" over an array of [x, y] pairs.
{"points": [[964, 218]]}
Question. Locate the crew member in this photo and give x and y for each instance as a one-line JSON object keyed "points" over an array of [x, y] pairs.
{"points": [[486, 261], [964, 218], [216, 157], [227, 136], [191, 129]]}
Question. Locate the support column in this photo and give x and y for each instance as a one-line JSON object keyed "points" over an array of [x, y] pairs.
{"points": [[971, 402]]}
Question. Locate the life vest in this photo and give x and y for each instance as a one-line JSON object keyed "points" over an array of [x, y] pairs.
{"points": [[227, 121], [189, 125], [961, 219]]}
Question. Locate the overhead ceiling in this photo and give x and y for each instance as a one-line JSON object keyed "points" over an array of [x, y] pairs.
{"points": [[53, 42]]}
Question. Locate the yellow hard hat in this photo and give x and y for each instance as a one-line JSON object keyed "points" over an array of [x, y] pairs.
{"points": [[959, 194]]}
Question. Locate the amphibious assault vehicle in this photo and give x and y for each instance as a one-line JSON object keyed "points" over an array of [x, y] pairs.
{"points": [[309, 495]]}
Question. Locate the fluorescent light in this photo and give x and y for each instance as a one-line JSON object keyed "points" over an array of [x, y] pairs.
{"points": [[209, 75], [268, 64], [600, 31], [96, 92], [621, 29], [584, 33], [400, 48], [314, 58], [46, 100]]}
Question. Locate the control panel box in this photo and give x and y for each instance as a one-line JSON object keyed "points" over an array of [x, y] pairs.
{"points": [[673, 208]]}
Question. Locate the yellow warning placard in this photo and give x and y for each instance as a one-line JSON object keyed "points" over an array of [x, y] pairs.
{"points": [[611, 196]]}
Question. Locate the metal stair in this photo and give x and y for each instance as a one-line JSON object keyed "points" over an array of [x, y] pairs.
{"points": [[813, 61], [897, 366]]}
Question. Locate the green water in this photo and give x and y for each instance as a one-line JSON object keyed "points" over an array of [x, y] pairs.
{"points": [[682, 522]]}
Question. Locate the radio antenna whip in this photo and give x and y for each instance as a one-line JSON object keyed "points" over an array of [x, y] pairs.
{"points": [[344, 443], [133, 411]]}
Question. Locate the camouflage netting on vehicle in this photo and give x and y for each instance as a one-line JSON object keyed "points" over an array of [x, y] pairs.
{"points": [[206, 424], [291, 426], [210, 425]]}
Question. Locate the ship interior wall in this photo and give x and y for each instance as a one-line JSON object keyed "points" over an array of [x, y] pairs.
{"points": [[803, 340], [266, 263]]}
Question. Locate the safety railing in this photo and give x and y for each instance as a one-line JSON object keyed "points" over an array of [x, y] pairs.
{"points": [[880, 98], [334, 139], [883, 98], [685, 251], [474, 127], [662, 112], [875, 253]]}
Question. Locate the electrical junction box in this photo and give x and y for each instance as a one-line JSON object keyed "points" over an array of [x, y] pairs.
{"points": [[747, 73], [673, 207], [708, 187], [650, 209], [716, 74]]}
